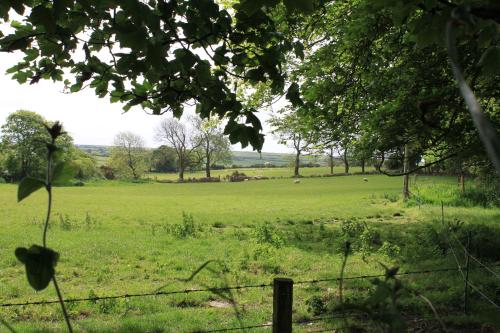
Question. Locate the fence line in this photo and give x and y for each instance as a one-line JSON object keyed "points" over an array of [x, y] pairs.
{"points": [[234, 328], [156, 293], [376, 276], [466, 280], [467, 253], [215, 289]]}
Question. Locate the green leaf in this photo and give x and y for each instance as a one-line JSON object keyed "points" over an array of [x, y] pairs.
{"points": [[303, 6], [250, 7], [203, 73], [293, 95], [490, 61], [39, 262], [27, 186], [63, 173], [298, 48], [42, 15]]}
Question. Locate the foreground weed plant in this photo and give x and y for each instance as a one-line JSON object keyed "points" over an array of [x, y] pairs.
{"points": [[40, 261]]}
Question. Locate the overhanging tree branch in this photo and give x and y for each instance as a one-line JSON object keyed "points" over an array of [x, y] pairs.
{"points": [[487, 131]]}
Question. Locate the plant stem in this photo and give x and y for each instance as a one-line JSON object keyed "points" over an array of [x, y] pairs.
{"points": [[63, 307], [342, 269], [49, 208], [48, 185]]}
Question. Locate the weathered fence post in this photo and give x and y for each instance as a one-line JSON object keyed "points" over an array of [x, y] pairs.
{"points": [[467, 268], [282, 305]]}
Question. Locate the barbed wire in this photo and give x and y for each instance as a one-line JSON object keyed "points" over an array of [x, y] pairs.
{"points": [[215, 289], [233, 329], [466, 279], [147, 294], [359, 277], [467, 252]]}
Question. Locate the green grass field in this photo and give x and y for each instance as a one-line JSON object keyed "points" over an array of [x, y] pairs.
{"points": [[259, 172], [123, 238]]}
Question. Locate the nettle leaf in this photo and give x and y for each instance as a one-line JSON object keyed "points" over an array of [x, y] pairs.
{"points": [[490, 61], [63, 173], [27, 186], [39, 262]]}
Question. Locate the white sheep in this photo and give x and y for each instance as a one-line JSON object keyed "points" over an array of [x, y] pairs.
{"points": [[296, 181], [365, 179]]}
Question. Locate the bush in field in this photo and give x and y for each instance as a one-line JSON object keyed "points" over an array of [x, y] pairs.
{"points": [[316, 305], [236, 176], [84, 165], [390, 250], [359, 235], [352, 228], [187, 228], [108, 172], [369, 239], [267, 234]]}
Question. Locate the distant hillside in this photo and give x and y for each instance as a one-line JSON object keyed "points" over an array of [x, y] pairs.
{"points": [[240, 158], [95, 150], [247, 158]]}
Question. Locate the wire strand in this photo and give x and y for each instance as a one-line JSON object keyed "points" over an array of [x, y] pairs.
{"points": [[474, 258], [233, 328], [219, 289]]}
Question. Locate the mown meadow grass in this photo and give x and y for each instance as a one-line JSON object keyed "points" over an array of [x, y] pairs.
{"points": [[124, 238]]}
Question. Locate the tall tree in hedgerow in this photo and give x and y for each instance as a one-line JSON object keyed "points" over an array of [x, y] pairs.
{"points": [[129, 155], [22, 142]]}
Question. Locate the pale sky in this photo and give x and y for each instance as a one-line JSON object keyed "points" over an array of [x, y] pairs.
{"points": [[89, 119]]}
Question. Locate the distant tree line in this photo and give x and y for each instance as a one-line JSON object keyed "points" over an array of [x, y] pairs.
{"points": [[23, 151], [202, 146], [198, 145]]}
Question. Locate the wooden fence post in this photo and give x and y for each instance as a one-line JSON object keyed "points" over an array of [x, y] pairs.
{"points": [[282, 305], [467, 268]]}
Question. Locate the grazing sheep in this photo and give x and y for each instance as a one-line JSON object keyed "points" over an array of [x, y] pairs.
{"points": [[365, 179], [296, 181]]}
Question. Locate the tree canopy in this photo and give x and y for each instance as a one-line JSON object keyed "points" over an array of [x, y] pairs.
{"points": [[380, 67], [156, 54], [22, 143]]}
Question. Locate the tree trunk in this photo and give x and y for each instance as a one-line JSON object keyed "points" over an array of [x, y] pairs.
{"points": [[379, 165], [362, 165], [207, 167], [297, 164], [346, 162], [208, 159], [331, 161], [406, 177], [181, 170]]}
